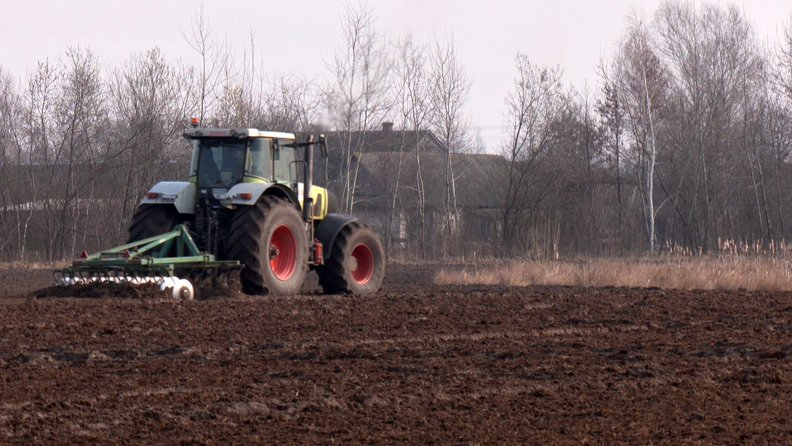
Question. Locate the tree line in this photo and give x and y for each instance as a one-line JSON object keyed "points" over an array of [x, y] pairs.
{"points": [[684, 143]]}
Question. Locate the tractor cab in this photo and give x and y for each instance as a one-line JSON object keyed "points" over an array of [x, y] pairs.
{"points": [[234, 167], [222, 158]]}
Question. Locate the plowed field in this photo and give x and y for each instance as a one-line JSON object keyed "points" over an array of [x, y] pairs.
{"points": [[415, 364]]}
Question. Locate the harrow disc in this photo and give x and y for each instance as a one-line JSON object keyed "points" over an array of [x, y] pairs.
{"points": [[180, 289], [188, 284]]}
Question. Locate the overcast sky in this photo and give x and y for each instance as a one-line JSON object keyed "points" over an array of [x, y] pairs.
{"points": [[300, 36]]}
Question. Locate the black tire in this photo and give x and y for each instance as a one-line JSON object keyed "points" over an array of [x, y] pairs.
{"points": [[272, 223], [152, 219], [356, 264]]}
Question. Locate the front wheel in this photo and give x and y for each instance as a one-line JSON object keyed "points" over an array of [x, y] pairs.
{"points": [[356, 264], [269, 240]]}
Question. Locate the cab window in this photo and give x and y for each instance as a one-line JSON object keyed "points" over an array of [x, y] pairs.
{"points": [[283, 158], [220, 162], [259, 161]]}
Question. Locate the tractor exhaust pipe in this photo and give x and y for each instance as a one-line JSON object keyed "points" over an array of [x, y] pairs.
{"points": [[316, 249], [308, 180]]}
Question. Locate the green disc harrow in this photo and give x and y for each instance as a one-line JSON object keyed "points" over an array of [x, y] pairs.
{"points": [[171, 261]]}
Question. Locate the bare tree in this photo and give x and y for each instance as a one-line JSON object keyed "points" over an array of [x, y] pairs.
{"points": [[535, 102], [81, 112], [233, 106], [360, 96], [449, 93], [611, 112], [589, 151], [415, 110], [40, 122], [783, 61], [214, 58], [65, 113], [149, 100], [13, 166], [639, 73], [291, 103], [707, 51], [779, 115]]}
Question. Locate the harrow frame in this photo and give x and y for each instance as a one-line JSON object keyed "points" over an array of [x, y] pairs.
{"points": [[147, 261]]}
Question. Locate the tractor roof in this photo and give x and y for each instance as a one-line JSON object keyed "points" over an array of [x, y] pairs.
{"points": [[215, 132]]}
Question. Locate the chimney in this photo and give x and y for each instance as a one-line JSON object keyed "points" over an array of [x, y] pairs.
{"points": [[387, 126]]}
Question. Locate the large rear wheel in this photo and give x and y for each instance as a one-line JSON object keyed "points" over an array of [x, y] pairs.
{"points": [[269, 240], [152, 219], [356, 264]]}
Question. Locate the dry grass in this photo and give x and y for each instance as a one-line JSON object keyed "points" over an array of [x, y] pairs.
{"points": [[751, 273], [6, 266]]}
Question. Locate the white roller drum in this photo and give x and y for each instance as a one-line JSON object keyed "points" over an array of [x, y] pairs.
{"points": [[180, 288]]}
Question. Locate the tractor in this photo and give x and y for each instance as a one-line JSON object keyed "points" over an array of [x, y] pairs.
{"points": [[249, 204]]}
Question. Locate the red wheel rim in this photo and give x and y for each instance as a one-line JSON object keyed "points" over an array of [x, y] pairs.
{"points": [[283, 253], [364, 264]]}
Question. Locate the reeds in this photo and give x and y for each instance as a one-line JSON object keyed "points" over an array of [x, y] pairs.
{"points": [[32, 265], [687, 273]]}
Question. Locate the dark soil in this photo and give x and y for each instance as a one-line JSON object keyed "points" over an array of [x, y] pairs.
{"points": [[414, 364]]}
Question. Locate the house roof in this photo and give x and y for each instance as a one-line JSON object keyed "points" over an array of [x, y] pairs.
{"points": [[379, 154], [385, 140], [476, 178]]}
